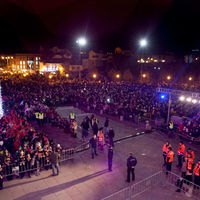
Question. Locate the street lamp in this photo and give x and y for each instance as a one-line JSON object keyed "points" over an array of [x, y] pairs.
{"points": [[144, 75], [190, 78], [117, 76], [67, 75], [168, 77], [81, 43], [142, 43], [94, 76]]}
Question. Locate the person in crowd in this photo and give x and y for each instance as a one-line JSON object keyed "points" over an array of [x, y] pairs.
{"points": [[169, 160], [54, 162], [100, 136], [180, 152], [1, 178], [93, 145], [131, 163], [110, 157]]}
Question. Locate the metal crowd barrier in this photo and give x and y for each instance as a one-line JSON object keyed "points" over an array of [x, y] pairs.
{"points": [[131, 192], [159, 179], [14, 168], [190, 189]]}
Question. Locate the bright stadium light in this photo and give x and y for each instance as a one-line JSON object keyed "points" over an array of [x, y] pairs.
{"points": [[81, 41], [143, 43], [194, 101], [189, 99], [181, 98]]}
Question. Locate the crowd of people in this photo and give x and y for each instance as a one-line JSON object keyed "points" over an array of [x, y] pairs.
{"points": [[34, 97]]}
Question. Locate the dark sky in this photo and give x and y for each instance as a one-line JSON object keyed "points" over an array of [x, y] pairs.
{"points": [[169, 25]]}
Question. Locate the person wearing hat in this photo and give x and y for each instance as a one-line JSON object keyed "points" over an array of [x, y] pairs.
{"points": [[131, 163]]}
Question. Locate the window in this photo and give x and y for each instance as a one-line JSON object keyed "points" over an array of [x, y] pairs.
{"points": [[20, 62]]}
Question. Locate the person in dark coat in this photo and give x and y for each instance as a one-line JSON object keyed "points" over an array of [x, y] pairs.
{"points": [[110, 157], [54, 162], [93, 145], [131, 163], [111, 135]]}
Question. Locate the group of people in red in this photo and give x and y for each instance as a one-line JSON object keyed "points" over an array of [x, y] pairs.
{"points": [[185, 162]]}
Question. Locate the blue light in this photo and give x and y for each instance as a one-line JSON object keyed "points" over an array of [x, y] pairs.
{"points": [[162, 96]]}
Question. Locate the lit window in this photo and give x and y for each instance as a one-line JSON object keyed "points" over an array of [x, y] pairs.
{"points": [[20, 62], [36, 58], [159, 68], [163, 60], [36, 62], [11, 57], [154, 67], [24, 62], [8, 57]]}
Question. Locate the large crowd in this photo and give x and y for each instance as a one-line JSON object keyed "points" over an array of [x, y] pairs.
{"points": [[23, 97]]}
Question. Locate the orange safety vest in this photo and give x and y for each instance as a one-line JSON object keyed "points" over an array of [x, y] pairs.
{"points": [[170, 155], [191, 153], [190, 162], [181, 149], [197, 170]]}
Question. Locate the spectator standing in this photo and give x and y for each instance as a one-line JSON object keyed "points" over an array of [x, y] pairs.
{"points": [[54, 162], [106, 125], [131, 163], [1, 178], [165, 151]]}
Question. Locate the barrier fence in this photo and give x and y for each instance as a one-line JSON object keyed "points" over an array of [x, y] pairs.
{"points": [[158, 179], [37, 165]]}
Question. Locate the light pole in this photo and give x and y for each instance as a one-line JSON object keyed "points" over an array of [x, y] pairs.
{"points": [[81, 43], [142, 43], [169, 107]]}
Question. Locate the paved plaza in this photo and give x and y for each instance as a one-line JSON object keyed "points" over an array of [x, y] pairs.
{"points": [[84, 178]]}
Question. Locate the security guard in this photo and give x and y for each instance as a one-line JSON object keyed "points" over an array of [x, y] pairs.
{"points": [[169, 160], [165, 151], [180, 152], [189, 166], [131, 163], [196, 172]]}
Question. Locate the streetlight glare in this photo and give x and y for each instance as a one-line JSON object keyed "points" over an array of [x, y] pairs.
{"points": [[117, 76], [181, 98], [81, 41], [144, 75], [94, 75], [168, 77], [143, 42]]}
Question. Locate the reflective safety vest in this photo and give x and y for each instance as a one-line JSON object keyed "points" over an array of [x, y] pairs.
{"points": [[190, 162], [170, 156], [37, 115], [197, 170], [72, 115], [41, 115], [181, 149], [191, 153], [171, 125], [165, 149]]}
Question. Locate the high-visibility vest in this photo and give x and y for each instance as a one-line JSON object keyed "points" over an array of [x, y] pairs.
{"points": [[37, 115], [72, 115], [170, 156], [171, 125], [165, 149], [41, 115], [196, 170], [181, 149], [191, 153], [190, 162]]}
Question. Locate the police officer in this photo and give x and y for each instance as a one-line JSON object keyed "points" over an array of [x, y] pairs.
{"points": [[110, 157], [131, 163]]}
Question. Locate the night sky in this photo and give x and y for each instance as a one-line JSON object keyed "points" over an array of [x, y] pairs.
{"points": [[169, 25]]}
